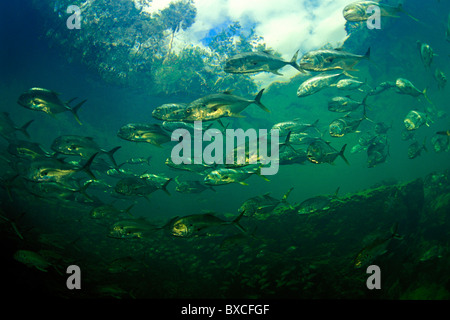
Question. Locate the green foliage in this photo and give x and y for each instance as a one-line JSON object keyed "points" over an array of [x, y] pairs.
{"points": [[178, 15], [234, 40], [127, 46]]}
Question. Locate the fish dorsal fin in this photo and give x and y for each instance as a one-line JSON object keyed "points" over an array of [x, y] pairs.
{"points": [[208, 212], [347, 115], [90, 138], [229, 91]]}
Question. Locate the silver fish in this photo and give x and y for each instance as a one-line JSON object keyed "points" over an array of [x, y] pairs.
{"points": [[81, 146], [405, 86], [227, 175], [329, 59], [426, 53], [251, 62], [320, 151], [141, 132], [415, 149], [47, 101], [349, 84], [199, 225], [170, 112], [344, 104], [317, 83], [357, 11], [8, 128], [440, 77], [377, 151], [220, 105], [342, 126], [415, 119], [317, 203]]}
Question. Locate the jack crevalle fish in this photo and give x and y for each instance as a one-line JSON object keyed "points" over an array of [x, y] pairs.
{"points": [[252, 62], [47, 101]]}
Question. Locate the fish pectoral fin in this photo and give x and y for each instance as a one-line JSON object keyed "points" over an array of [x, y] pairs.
{"points": [[348, 74], [391, 15], [276, 72], [243, 183], [155, 144], [41, 269], [264, 207]]}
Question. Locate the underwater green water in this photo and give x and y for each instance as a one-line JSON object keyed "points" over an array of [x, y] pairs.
{"points": [[283, 254]]}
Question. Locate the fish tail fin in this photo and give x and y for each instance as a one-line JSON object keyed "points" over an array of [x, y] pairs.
{"points": [[87, 166], [424, 144], [364, 102], [444, 133], [164, 187], [70, 101], [394, 232], [364, 111], [235, 222], [424, 92], [314, 125], [13, 224], [348, 74], [258, 101], [367, 55], [110, 154], [120, 165], [336, 192], [127, 210], [75, 109], [294, 63], [341, 154], [23, 129], [83, 189], [286, 195], [7, 184], [258, 173], [224, 128], [286, 142]]}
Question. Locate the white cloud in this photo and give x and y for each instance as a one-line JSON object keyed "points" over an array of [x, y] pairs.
{"points": [[285, 25]]}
